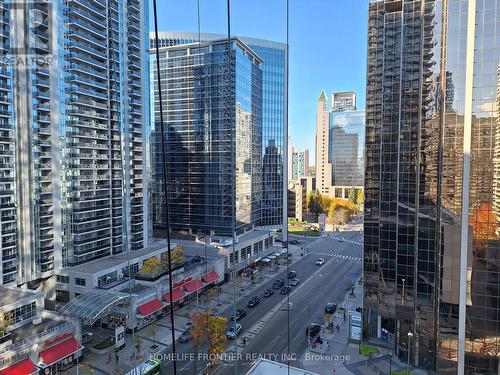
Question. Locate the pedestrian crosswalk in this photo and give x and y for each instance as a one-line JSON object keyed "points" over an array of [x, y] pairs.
{"points": [[338, 256]]}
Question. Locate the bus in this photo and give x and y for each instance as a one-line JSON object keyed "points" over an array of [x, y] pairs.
{"points": [[148, 367]]}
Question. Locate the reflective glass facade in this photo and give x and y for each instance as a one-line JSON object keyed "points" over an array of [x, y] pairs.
{"points": [[346, 147], [213, 138], [76, 134], [431, 211], [272, 55]]}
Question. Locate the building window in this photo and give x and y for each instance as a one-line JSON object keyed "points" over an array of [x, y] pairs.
{"points": [[19, 314], [257, 247], [62, 279], [79, 281], [62, 295]]}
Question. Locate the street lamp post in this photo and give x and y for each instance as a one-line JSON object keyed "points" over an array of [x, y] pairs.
{"points": [[403, 292], [410, 335]]}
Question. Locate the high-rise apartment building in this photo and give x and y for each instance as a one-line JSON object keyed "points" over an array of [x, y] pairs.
{"points": [[300, 163], [272, 55], [212, 102], [339, 145], [431, 239], [72, 119]]}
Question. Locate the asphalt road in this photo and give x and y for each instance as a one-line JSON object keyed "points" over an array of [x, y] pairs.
{"points": [[267, 322]]}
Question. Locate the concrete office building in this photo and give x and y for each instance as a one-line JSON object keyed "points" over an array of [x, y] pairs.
{"points": [[339, 145], [431, 184]]}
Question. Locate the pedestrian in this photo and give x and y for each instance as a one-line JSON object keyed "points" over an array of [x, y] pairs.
{"points": [[338, 328], [117, 358], [328, 346], [109, 358], [244, 342], [307, 331], [344, 315]]}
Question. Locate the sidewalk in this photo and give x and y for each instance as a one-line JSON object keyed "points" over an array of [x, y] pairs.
{"points": [[337, 356]]}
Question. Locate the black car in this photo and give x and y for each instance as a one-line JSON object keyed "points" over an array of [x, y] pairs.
{"points": [[292, 274], [185, 336], [286, 289], [254, 301], [359, 309], [238, 314], [197, 259], [268, 293], [277, 240], [294, 242], [330, 308], [314, 329], [278, 283]]}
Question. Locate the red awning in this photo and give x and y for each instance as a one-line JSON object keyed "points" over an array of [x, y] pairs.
{"points": [[60, 351], [211, 277], [150, 307], [24, 367], [193, 286], [177, 293]]}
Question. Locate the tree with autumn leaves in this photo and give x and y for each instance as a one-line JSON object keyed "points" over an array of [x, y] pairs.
{"points": [[210, 330], [484, 225]]}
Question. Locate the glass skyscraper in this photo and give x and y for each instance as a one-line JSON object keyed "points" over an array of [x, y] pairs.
{"points": [[72, 161], [346, 147], [213, 137], [431, 241], [272, 55]]}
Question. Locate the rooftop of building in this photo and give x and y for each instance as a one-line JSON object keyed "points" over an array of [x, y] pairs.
{"points": [[32, 329], [240, 43], [10, 295], [212, 36], [114, 260], [267, 367]]}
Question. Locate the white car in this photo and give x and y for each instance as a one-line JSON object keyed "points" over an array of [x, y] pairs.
{"points": [[341, 239], [233, 331], [320, 262]]}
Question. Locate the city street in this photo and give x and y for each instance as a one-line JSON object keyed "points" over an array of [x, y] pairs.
{"points": [[265, 326]]}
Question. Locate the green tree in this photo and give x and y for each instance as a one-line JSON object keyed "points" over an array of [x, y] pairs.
{"points": [[315, 204], [361, 197], [353, 196], [216, 335]]}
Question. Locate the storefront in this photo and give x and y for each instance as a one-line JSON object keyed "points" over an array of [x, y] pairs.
{"points": [[59, 354], [23, 367], [149, 312]]}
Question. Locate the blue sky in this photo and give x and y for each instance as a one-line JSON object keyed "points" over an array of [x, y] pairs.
{"points": [[327, 45]]}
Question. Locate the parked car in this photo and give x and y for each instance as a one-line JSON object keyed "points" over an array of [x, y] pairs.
{"points": [[359, 309], [292, 274], [277, 239], [294, 242], [278, 283], [341, 239], [269, 292], [185, 336], [330, 308], [320, 262], [233, 331], [285, 290], [254, 301], [314, 329], [294, 282], [238, 314], [197, 259]]}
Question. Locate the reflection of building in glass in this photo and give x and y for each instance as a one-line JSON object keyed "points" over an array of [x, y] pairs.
{"points": [[272, 55], [339, 144], [431, 224], [213, 123], [73, 136]]}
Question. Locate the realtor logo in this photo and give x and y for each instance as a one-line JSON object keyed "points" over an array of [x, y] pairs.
{"points": [[27, 44]]}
